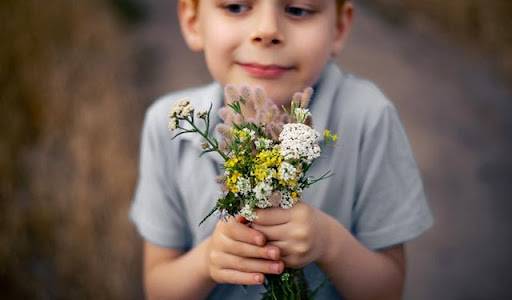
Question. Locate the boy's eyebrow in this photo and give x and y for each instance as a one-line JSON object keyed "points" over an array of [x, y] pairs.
{"points": [[315, 2]]}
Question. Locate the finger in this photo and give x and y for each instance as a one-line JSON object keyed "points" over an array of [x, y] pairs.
{"points": [[272, 232], [248, 250], [283, 247], [236, 277], [242, 233], [249, 265], [292, 261], [272, 216]]}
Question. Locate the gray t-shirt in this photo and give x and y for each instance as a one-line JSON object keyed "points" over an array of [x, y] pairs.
{"points": [[376, 191]]}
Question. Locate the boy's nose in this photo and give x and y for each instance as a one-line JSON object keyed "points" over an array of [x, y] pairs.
{"points": [[267, 30]]}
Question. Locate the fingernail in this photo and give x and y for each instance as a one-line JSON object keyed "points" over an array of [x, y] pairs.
{"points": [[257, 278], [258, 240]]}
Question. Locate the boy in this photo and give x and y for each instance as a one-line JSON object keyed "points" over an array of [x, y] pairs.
{"points": [[350, 228]]}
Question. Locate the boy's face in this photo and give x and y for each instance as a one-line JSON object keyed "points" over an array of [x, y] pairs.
{"points": [[279, 45]]}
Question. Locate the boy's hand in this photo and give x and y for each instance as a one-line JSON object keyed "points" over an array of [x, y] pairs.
{"points": [[301, 232], [237, 254]]}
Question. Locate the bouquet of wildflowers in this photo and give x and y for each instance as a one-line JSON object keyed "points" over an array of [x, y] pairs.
{"points": [[267, 152]]}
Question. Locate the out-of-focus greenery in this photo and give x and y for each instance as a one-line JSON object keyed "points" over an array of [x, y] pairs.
{"points": [[68, 137], [484, 23]]}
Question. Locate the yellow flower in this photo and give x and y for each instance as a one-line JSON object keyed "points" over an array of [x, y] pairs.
{"points": [[242, 135], [260, 172], [265, 163], [329, 136], [231, 182], [232, 162]]}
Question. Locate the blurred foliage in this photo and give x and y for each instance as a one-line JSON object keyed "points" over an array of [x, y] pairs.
{"points": [[67, 152], [484, 23], [132, 11]]}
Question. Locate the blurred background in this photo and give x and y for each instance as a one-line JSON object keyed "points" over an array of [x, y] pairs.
{"points": [[77, 76]]}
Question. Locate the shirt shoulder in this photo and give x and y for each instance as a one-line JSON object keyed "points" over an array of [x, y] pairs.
{"points": [[363, 100]]}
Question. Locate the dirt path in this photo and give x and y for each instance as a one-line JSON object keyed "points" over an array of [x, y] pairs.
{"points": [[458, 117]]}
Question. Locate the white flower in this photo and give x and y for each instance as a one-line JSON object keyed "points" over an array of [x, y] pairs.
{"points": [[244, 185], [262, 190], [264, 203], [248, 213], [286, 200], [263, 143], [182, 109], [299, 141], [173, 123], [287, 171]]}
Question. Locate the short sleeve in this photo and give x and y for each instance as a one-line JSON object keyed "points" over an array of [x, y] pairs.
{"points": [[156, 209], [390, 206]]}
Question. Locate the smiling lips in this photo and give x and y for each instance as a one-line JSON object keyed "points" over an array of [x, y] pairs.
{"points": [[265, 71]]}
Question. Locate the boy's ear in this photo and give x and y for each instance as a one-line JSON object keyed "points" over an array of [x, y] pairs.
{"points": [[343, 26], [188, 14]]}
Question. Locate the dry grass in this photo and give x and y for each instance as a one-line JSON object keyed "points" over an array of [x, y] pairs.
{"points": [[67, 153]]}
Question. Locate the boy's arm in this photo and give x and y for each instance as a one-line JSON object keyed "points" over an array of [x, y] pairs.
{"points": [[172, 274], [359, 273]]}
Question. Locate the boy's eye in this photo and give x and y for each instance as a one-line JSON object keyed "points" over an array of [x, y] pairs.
{"points": [[236, 8], [298, 11]]}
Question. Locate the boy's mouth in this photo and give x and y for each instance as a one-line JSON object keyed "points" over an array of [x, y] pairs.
{"points": [[265, 71]]}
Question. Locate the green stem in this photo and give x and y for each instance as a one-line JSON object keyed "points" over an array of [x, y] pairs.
{"points": [[215, 144]]}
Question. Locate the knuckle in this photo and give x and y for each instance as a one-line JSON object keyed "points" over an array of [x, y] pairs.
{"points": [[246, 250], [304, 212], [214, 257], [301, 249], [300, 234], [262, 252], [216, 276], [240, 263], [228, 243]]}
